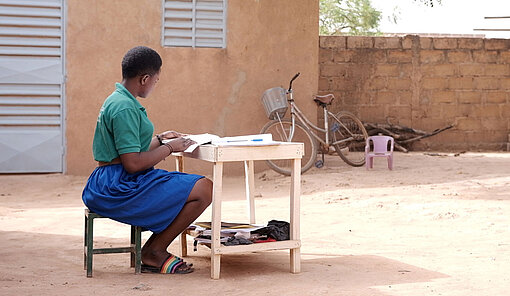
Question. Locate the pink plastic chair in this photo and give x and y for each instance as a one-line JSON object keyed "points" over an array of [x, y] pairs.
{"points": [[380, 144]]}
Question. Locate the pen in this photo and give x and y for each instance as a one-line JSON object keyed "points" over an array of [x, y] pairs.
{"points": [[254, 140]]}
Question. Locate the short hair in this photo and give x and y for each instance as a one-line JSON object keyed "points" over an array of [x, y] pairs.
{"points": [[140, 60]]}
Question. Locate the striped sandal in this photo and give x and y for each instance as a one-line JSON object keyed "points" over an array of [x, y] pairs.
{"points": [[172, 265]]}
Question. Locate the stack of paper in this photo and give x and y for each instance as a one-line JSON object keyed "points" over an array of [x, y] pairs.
{"points": [[227, 230], [205, 227]]}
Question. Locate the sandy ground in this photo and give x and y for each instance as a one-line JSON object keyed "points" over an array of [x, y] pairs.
{"points": [[435, 225]]}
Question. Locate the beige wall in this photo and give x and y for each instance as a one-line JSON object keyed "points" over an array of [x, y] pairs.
{"points": [[424, 83], [200, 90]]}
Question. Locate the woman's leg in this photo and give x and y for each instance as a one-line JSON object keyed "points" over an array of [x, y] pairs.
{"points": [[154, 252]]}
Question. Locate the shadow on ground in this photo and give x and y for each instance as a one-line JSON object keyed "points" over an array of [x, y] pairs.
{"points": [[53, 265]]}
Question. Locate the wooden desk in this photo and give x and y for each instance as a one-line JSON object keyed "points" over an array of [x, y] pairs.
{"points": [[248, 154]]}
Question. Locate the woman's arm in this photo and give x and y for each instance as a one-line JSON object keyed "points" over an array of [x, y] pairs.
{"points": [[139, 161], [154, 143]]}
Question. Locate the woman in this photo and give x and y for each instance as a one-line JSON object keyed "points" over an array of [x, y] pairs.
{"points": [[125, 186]]}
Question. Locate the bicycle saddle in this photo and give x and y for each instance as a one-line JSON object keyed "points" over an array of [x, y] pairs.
{"points": [[326, 99]]}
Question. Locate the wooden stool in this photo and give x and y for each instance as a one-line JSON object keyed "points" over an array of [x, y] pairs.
{"points": [[88, 251]]}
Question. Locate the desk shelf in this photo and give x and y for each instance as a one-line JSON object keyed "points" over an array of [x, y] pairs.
{"points": [[268, 246]]}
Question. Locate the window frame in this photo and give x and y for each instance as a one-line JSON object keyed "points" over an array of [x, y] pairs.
{"points": [[194, 37]]}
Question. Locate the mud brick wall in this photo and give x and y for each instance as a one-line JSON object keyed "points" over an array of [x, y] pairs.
{"points": [[424, 83]]}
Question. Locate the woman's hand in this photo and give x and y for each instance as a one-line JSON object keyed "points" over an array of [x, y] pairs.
{"points": [[179, 144], [170, 135]]}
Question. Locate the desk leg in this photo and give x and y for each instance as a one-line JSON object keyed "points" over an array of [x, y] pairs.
{"points": [[179, 166], [216, 219], [179, 163], [295, 193], [250, 188]]}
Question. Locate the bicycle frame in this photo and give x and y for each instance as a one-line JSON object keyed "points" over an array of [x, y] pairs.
{"points": [[296, 113]]}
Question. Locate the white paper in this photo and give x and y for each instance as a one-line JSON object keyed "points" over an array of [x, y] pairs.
{"points": [[247, 140], [208, 241]]}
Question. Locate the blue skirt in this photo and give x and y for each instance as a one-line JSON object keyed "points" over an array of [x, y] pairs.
{"points": [[150, 199]]}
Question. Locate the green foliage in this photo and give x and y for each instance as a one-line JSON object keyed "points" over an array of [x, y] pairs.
{"points": [[352, 17], [429, 2]]}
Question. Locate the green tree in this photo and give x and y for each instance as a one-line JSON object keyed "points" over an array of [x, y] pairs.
{"points": [[353, 17]]}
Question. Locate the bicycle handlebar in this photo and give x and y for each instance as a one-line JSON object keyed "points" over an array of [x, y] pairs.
{"points": [[293, 78]]}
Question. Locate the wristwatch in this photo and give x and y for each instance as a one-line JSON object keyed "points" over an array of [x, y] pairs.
{"points": [[159, 140]]}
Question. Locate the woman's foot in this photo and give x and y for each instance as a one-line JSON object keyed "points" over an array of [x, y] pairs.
{"points": [[172, 265], [164, 262]]}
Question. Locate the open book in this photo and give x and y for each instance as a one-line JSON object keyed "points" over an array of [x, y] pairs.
{"points": [[199, 139], [248, 140]]}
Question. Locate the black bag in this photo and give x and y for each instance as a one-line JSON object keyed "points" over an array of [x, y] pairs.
{"points": [[279, 230]]}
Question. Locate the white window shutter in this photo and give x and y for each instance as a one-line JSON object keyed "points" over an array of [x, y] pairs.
{"points": [[194, 23]]}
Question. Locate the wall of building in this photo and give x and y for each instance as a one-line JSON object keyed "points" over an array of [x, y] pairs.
{"points": [[424, 83], [200, 90]]}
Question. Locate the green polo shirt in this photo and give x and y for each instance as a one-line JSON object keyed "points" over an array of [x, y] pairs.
{"points": [[122, 126]]}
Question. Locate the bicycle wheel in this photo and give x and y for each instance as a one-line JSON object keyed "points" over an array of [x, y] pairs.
{"points": [[280, 132], [348, 129]]}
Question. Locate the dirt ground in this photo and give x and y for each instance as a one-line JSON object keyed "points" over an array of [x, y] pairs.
{"points": [[435, 225]]}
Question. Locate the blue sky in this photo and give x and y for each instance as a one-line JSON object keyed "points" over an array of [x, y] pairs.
{"points": [[452, 17]]}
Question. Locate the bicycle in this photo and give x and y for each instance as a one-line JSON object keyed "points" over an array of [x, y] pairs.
{"points": [[346, 133]]}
